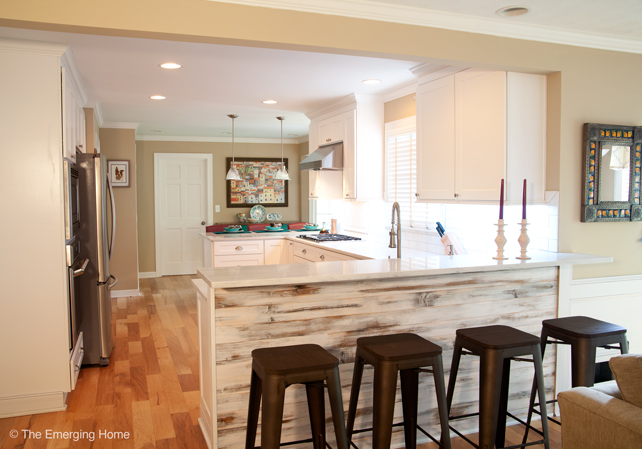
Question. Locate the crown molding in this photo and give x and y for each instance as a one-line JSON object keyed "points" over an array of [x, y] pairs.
{"points": [[98, 111], [118, 125], [303, 139], [35, 47], [150, 138], [401, 92], [349, 101], [364, 9], [69, 62]]}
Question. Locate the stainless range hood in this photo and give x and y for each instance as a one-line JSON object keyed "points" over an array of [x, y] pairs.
{"points": [[326, 157]]}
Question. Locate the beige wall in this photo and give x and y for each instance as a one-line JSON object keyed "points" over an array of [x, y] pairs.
{"points": [[399, 108], [120, 144], [594, 85], [145, 151]]}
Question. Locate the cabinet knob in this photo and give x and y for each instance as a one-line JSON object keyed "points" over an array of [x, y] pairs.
{"points": [[347, 194], [202, 222], [328, 139], [239, 248], [321, 257], [416, 194], [456, 195], [305, 251]]}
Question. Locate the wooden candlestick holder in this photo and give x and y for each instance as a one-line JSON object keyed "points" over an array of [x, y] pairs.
{"points": [[500, 240], [523, 241]]}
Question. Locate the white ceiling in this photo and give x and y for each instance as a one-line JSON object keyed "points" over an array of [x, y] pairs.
{"points": [[119, 74]]}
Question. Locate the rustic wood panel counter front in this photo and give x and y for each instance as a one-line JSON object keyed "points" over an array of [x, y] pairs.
{"points": [[335, 308]]}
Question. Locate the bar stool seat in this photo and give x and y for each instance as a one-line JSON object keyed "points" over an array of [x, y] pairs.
{"points": [[275, 369], [406, 353], [584, 335], [496, 346]]}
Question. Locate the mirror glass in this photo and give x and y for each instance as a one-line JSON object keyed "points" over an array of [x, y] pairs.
{"points": [[615, 172]]}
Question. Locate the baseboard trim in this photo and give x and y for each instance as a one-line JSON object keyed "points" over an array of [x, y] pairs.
{"points": [[123, 293], [148, 274], [32, 404]]}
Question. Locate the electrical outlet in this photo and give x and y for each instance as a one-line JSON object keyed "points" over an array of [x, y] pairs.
{"points": [[217, 208]]}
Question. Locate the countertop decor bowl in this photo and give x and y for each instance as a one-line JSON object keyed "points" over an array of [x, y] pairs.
{"points": [[274, 228], [310, 228], [253, 220], [232, 229]]}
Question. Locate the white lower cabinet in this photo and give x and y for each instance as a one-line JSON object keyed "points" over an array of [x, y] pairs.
{"points": [[307, 253], [238, 253], [277, 252]]}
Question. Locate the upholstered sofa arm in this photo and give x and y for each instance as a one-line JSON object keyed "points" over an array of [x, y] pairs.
{"points": [[591, 419]]}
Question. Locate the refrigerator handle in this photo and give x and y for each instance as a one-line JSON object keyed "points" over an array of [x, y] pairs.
{"points": [[111, 276], [113, 219]]}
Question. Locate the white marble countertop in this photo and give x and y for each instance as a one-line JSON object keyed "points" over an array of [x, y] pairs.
{"points": [[307, 273], [364, 249], [252, 235]]}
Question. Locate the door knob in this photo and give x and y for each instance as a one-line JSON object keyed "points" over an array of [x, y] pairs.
{"points": [[202, 222]]}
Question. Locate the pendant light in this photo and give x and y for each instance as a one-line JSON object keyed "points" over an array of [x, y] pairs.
{"points": [[282, 173], [233, 173]]}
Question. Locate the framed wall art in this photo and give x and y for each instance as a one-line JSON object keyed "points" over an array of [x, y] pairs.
{"points": [[258, 185], [612, 163], [118, 173]]}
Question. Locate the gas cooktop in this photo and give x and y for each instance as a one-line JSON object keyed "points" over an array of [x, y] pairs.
{"points": [[327, 237]]}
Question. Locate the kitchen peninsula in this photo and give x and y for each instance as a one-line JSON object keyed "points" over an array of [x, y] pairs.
{"points": [[332, 304]]}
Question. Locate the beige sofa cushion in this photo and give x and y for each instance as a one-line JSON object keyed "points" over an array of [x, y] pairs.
{"points": [[609, 388], [627, 370]]}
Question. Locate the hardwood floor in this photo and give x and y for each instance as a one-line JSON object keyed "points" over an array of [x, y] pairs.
{"points": [[150, 388]]}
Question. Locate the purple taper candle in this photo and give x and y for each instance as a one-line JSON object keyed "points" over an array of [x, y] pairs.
{"points": [[524, 202], [501, 201]]}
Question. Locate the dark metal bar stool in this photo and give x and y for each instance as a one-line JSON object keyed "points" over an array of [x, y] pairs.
{"points": [[388, 354], [275, 369], [585, 335], [496, 346]]}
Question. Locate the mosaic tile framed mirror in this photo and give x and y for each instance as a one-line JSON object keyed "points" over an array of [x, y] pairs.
{"points": [[612, 162]]}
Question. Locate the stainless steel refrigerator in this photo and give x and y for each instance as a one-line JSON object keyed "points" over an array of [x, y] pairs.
{"points": [[96, 235]]}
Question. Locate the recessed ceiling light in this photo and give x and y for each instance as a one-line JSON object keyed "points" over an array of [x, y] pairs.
{"points": [[269, 102], [155, 130], [171, 65], [513, 11], [225, 132], [293, 135], [373, 81], [157, 97]]}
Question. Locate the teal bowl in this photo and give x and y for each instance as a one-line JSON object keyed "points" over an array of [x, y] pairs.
{"points": [[273, 228], [310, 228], [232, 229]]}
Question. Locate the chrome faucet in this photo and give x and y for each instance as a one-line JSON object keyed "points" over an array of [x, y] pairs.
{"points": [[396, 244]]}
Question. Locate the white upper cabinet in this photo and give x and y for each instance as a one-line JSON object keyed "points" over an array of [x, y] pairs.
{"points": [[358, 122], [73, 118], [476, 127]]}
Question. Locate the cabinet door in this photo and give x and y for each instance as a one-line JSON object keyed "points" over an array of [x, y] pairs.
{"points": [[324, 135], [337, 127], [349, 155], [480, 124], [436, 140], [273, 252]]}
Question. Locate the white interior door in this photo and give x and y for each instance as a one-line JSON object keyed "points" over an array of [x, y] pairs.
{"points": [[183, 192]]}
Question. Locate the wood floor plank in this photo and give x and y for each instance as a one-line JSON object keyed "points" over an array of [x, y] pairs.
{"points": [[151, 359], [143, 426], [139, 383], [159, 405], [187, 434]]}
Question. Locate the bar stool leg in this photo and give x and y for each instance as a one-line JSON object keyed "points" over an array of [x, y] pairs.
{"points": [[354, 393], [583, 363], [500, 435], [454, 367], [316, 408], [490, 380], [410, 402], [624, 344], [336, 405], [385, 389], [541, 387], [253, 410], [440, 389], [543, 340], [272, 412]]}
